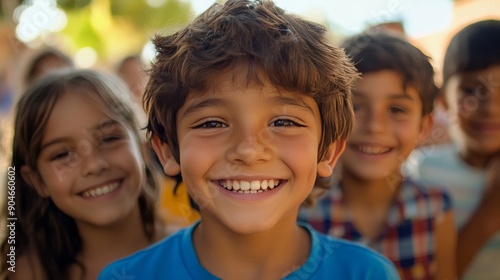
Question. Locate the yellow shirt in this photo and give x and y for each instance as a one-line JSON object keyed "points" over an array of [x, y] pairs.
{"points": [[175, 209]]}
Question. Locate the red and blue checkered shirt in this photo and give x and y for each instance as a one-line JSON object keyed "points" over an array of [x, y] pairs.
{"points": [[407, 238]]}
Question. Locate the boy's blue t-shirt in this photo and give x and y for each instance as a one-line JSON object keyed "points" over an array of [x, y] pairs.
{"points": [[175, 258]]}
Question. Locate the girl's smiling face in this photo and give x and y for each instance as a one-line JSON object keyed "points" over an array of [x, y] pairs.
{"points": [[248, 153], [89, 163]]}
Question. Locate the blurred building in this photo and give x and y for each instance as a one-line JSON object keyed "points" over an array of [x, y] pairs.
{"points": [[465, 12]]}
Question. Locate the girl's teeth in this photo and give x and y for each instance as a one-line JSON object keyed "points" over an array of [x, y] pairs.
{"points": [[101, 191], [249, 186]]}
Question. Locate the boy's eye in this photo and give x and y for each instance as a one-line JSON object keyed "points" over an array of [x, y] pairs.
{"points": [[284, 122], [212, 124], [468, 90], [396, 110]]}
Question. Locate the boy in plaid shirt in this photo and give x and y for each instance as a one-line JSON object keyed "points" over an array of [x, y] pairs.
{"points": [[373, 203]]}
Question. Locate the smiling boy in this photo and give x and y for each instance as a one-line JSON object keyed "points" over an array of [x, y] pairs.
{"points": [[250, 105], [373, 203]]}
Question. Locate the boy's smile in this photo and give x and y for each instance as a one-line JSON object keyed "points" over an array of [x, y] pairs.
{"points": [[244, 142], [255, 186], [388, 126]]}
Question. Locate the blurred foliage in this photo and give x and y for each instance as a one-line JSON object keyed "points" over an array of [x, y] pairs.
{"points": [[72, 4], [113, 27], [119, 27], [6, 7], [173, 12]]}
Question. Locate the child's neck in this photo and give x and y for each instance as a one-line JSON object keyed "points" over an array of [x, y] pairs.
{"points": [[474, 159], [370, 193], [266, 255], [102, 245], [368, 202]]}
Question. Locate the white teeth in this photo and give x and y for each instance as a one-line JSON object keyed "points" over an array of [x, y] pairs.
{"points": [[249, 186], [100, 191], [245, 186], [372, 150], [263, 185], [270, 184]]}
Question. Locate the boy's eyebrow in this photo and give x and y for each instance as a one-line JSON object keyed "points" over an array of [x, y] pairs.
{"points": [[101, 125], [280, 100], [398, 95], [210, 102], [401, 95], [283, 100]]}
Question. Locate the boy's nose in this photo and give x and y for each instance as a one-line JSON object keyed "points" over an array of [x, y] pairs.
{"points": [[374, 122], [249, 148]]}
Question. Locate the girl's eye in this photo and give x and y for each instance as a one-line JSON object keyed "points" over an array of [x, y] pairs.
{"points": [[211, 124], [284, 122], [63, 155], [111, 138]]}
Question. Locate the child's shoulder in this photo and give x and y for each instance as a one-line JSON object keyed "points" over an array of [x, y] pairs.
{"points": [[435, 152], [432, 158], [419, 199], [168, 257], [345, 259]]}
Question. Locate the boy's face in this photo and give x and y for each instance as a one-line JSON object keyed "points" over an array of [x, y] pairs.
{"points": [[473, 101], [388, 126], [248, 155]]}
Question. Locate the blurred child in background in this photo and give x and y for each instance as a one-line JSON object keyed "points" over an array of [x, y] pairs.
{"points": [[373, 203], [469, 168], [175, 207], [84, 195], [44, 61]]}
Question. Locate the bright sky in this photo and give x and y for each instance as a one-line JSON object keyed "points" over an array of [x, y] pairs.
{"points": [[420, 17]]}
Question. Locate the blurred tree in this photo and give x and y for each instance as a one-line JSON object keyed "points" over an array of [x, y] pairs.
{"points": [[146, 17], [7, 8], [73, 4], [115, 28]]}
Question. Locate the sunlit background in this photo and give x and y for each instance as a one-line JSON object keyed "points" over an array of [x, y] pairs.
{"points": [[100, 33]]}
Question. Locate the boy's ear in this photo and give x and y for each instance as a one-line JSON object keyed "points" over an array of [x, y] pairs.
{"points": [[425, 127], [327, 163], [170, 166], [32, 179]]}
